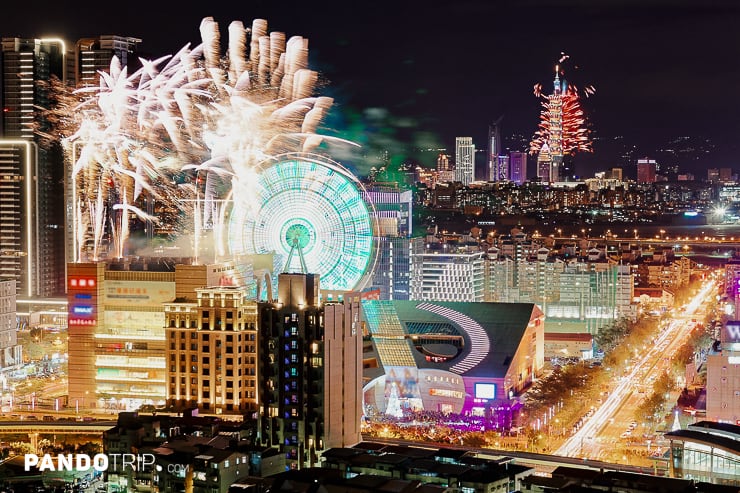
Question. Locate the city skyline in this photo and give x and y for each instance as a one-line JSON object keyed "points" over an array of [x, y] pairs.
{"points": [[326, 311], [416, 76]]}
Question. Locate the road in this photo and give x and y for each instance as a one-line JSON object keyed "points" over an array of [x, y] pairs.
{"points": [[597, 436]]}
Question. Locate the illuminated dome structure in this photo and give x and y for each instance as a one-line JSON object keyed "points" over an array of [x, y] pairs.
{"points": [[313, 214]]}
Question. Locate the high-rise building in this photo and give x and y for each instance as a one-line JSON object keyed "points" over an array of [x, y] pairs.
{"points": [[93, 55], [310, 371], [518, 167], [448, 275], [502, 169], [494, 151], [562, 128], [87, 60], [118, 356], [443, 163], [393, 267], [393, 228], [393, 209], [646, 170], [547, 169], [32, 226], [464, 160], [445, 168], [211, 351]]}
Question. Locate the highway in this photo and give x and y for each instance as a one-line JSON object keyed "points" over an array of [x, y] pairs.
{"points": [[590, 440]]}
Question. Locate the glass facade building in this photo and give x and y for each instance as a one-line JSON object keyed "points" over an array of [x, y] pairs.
{"points": [[706, 451]]}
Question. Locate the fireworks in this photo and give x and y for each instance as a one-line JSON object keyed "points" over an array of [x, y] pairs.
{"points": [[185, 132], [562, 122]]}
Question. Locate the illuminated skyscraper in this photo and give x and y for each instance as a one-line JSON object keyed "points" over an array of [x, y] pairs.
{"points": [[501, 171], [32, 226], [646, 170], [310, 371], [393, 229], [562, 128], [445, 168], [494, 151], [518, 167], [464, 160], [93, 55]]}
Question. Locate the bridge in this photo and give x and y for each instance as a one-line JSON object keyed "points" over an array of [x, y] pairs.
{"points": [[35, 428]]}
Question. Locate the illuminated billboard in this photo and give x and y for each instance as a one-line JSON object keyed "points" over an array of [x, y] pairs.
{"points": [[731, 332], [133, 293], [485, 391]]}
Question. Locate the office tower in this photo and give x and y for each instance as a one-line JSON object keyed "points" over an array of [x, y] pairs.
{"points": [[725, 175], [562, 128], [393, 267], [393, 210], [445, 168], [443, 162], [87, 60], [10, 352], [502, 169], [494, 150], [518, 167], [32, 226], [393, 227], [646, 170], [713, 175], [93, 55], [464, 160], [547, 169], [211, 351]]}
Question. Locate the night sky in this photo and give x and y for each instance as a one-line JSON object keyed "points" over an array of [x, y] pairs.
{"points": [[420, 74]]}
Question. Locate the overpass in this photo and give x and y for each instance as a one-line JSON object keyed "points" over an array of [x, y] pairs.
{"points": [[35, 428]]}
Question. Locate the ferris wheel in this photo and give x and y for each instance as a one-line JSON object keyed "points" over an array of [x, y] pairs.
{"points": [[313, 214]]}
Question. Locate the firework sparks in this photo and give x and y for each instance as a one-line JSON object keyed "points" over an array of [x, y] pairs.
{"points": [[562, 122], [185, 131]]}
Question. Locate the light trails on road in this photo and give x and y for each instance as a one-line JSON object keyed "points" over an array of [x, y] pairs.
{"points": [[662, 347]]}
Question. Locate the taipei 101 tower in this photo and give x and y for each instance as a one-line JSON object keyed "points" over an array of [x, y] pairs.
{"points": [[562, 131]]}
